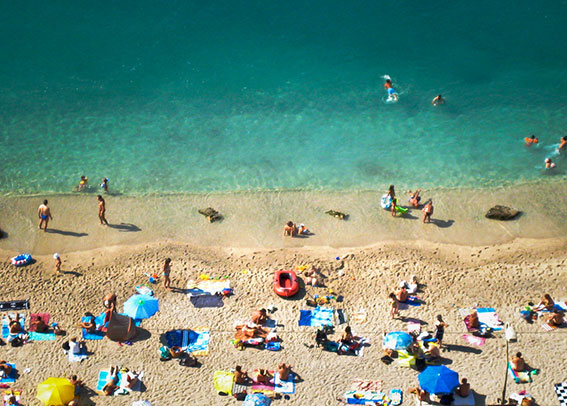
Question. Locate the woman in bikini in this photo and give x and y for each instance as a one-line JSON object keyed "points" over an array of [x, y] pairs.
{"points": [[166, 271]]}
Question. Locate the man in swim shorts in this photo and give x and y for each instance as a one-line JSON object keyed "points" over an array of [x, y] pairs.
{"points": [[44, 214], [392, 95]]}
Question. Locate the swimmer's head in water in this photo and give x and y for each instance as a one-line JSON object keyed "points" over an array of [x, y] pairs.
{"points": [[547, 160], [532, 137]]}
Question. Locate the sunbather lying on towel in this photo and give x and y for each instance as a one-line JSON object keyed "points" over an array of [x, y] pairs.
{"points": [[5, 369], [39, 325], [260, 317], [262, 376], [555, 319], [246, 332], [546, 303], [111, 382]]}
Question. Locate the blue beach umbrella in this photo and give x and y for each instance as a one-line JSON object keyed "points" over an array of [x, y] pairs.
{"points": [[438, 379], [397, 340], [141, 307]]}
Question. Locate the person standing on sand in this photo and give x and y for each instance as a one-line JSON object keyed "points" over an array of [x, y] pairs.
{"points": [[58, 261], [44, 214], [440, 329], [427, 211], [394, 305], [102, 210], [166, 272]]}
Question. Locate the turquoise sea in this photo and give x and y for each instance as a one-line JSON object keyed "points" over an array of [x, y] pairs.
{"points": [[195, 96]]}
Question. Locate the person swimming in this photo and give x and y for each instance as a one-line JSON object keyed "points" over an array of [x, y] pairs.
{"points": [[531, 140], [549, 164], [392, 94], [562, 144], [437, 100], [83, 182]]}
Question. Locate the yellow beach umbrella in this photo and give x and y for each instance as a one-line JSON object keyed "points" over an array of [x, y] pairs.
{"points": [[55, 391]]}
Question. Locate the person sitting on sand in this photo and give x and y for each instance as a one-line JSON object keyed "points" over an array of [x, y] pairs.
{"points": [[89, 324], [290, 229], [303, 230], [14, 325], [111, 382], [11, 401], [176, 352], [401, 293], [464, 389], [283, 371], [556, 318], [411, 286], [109, 301], [39, 325], [240, 377], [310, 276], [76, 347], [5, 369], [517, 362], [260, 317], [432, 352], [474, 323], [263, 376], [414, 198], [546, 303], [131, 380], [347, 337], [437, 100], [422, 396], [394, 305]]}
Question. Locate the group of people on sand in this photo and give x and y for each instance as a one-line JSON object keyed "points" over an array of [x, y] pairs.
{"points": [[261, 376], [414, 200], [292, 230], [556, 317], [44, 213], [548, 163]]}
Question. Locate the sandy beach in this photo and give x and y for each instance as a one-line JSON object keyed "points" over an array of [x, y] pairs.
{"points": [[490, 264]]}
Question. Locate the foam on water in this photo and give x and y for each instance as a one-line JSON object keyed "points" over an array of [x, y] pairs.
{"points": [[220, 97]]}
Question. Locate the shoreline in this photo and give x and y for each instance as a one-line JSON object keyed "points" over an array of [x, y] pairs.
{"points": [[256, 219]]}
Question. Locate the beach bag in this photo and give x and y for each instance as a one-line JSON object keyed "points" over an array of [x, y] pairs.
{"points": [[17, 342], [189, 361], [510, 333]]}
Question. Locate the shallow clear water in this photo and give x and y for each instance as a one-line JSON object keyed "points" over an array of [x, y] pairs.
{"points": [[193, 97]]}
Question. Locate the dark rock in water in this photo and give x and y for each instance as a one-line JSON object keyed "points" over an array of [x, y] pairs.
{"points": [[337, 214], [211, 214], [501, 213]]}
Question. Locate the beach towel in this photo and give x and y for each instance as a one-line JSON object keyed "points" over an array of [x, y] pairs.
{"points": [[77, 357], [366, 385], [14, 305], [11, 378], [195, 342], [9, 393], [487, 316], [474, 340], [42, 316], [519, 377], [95, 335], [207, 287], [414, 326], [207, 301], [466, 401], [6, 325], [410, 301], [223, 382], [318, 317], [102, 381], [35, 336], [144, 290], [359, 397], [262, 388], [561, 392], [286, 387]]}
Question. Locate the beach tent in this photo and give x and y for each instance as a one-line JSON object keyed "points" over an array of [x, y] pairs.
{"points": [[120, 327], [55, 391]]}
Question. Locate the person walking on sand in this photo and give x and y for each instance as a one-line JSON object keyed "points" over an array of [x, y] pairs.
{"points": [[427, 211], [44, 214], [166, 272], [440, 329], [102, 210], [58, 261]]}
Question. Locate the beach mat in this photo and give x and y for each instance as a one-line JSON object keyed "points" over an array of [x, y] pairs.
{"points": [[95, 335], [488, 317], [207, 301], [6, 326], [11, 378], [318, 317], [285, 387], [102, 380], [35, 336], [561, 392], [43, 316], [192, 341], [14, 305]]}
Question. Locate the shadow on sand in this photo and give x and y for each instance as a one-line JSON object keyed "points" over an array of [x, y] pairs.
{"points": [[65, 233], [125, 227]]}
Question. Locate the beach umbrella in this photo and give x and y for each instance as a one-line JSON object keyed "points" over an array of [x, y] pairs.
{"points": [[55, 391], [438, 379], [141, 307], [397, 340], [257, 399]]}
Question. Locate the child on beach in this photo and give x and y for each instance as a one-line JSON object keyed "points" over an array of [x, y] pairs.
{"points": [[394, 305], [414, 198], [290, 229], [166, 272], [427, 211], [104, 184], [58, 261]]}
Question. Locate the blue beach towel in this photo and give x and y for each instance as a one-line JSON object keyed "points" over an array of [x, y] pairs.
{"points": [[189, 340], [102, 379], [35, 336], [318, 317], [11, 378], [6, 326], [286, 387]]}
